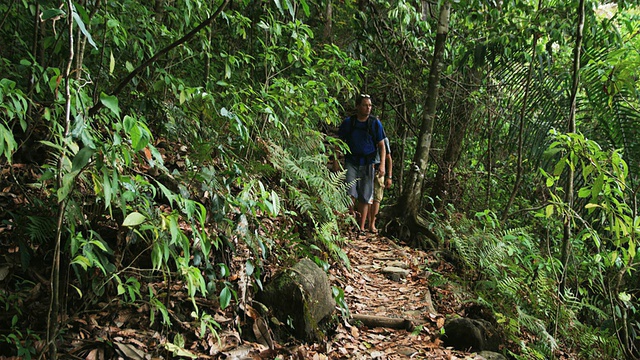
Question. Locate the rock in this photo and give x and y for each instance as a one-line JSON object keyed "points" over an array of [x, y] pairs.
{"points": [[490, 355], [470, 334], [395, 273], [301, 297], [398, 264]]}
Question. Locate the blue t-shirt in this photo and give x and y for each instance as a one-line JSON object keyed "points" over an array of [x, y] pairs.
{"points": [[363, 147]]}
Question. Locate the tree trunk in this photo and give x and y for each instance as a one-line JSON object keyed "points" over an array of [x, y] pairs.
{"points": [[571, 128], [412, 193], [523, 112], [53, 325], [328, 22], [462, 111]]}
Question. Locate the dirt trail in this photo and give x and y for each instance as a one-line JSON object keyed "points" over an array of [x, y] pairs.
{"points": [[386, 298]]}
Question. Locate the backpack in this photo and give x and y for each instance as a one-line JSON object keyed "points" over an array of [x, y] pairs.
{"points": [[370, 121]]}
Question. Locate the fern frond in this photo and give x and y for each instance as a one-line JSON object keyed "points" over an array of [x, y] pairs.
{"points": [[314, 191], [40, 228]]}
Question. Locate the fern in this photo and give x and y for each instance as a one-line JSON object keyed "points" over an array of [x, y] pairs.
{"points": [[40, 228], [317, 194], [537, 327]]}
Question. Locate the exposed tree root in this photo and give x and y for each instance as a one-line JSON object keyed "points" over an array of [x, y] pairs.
{"points": [[413, 230], [388, 322]]}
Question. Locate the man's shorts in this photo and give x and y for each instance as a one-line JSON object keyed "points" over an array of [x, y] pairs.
{"points": [[378, 188], [362, 189]]}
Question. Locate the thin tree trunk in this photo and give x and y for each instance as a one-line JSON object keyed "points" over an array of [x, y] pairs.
{"points": [[571, 128], [489, 164], [460, 119], [53, 325], [403, 141], [412, 192], [523, 112], [328, 22], [82, 43]]}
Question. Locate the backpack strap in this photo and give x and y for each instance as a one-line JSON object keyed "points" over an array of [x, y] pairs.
{"points": [[370, 122]]}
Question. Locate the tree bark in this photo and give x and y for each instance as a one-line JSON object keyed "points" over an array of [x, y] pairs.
{"points": [[523, 112], [445, 177], [571, 128], [53, 325], [388, 322], [412, 192], [328, 23]]}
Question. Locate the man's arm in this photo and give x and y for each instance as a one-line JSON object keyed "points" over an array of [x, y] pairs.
{"points": [[383, 157], [389, 176]]}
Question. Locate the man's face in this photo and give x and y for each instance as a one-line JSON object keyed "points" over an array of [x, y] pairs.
{"points": [[364, 109]]}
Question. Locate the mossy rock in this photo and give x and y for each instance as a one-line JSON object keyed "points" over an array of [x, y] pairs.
{"points": [[301, 297]]}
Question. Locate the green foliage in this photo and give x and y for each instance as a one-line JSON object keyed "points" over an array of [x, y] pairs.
{"points": [[250, 97], [316, 194], [608, 238], [13, 109], [338, 295], [19, 336], [514, 279]]}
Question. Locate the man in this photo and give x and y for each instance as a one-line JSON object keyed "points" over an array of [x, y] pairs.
{"points": [[380, 183], [364, 135]]}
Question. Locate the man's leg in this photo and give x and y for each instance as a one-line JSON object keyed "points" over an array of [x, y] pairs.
{"points": [[378, 194], [366, 194], [363, 208], [373, 212]]}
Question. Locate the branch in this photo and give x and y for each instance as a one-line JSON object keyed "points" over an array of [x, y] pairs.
{"points": [[162, 52], [372, 321]]}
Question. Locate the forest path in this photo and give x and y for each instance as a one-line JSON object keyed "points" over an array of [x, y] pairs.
{"points": [[389, 282]]}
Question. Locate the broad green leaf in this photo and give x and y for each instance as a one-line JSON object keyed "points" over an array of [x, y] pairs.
{"points": [[111, 102], [305, 7], [632, 250], [7, 143], [550, 181], [133, 219], [82, 261], [275, 199], [128, 123], [584, 192], [77, 18], [291, 9], [136, 137], [82, 158], [249, 268], [52, 13], [279, 6], [549, 210], [179, 351], [557, 170], [225, 298], [112, 62], [67, 184], [106, 186], [98, 244]]}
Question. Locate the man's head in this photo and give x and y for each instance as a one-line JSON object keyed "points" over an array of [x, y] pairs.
{"points": [[363, 105]]}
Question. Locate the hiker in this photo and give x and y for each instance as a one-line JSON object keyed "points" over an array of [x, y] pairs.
{"points": [[364, 135], [380, 182]]}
